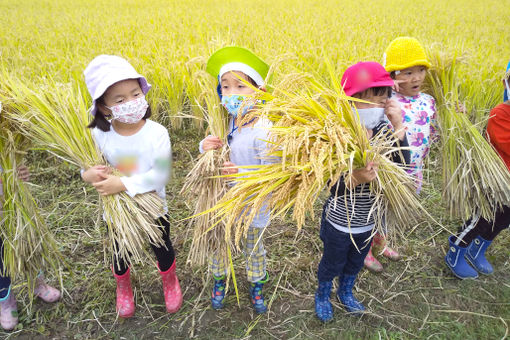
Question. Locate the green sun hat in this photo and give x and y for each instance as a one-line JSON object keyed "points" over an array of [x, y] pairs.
{"points": [[233, 58]]}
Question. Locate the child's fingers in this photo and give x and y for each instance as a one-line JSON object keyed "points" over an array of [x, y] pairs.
{"points": [[397, 83]]}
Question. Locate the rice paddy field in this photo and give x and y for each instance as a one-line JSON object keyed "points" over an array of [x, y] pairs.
{"points": [[50, 42]]}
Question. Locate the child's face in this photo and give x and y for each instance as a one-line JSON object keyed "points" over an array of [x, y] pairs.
{"points": [[231, 84], [122, 92], [378, 101], [410, 80]]}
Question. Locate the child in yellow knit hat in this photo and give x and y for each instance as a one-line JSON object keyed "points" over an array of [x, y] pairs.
{"points": [[407, 63]]}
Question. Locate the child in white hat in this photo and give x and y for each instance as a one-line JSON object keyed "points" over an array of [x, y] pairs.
{"points": [[140, 149]]}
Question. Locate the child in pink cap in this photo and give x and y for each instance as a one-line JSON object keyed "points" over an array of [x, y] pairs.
{"points": [[407, 63], [340, 228], [140, 149]]}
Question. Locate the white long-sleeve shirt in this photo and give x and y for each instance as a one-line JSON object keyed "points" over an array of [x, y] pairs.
{"points": [[143, 158]]}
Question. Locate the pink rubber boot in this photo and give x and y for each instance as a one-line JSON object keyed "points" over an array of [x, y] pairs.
{"points": [[372, 263], [46, 292], [9, 312], [125, 300], [171, 289], [380, 242]]}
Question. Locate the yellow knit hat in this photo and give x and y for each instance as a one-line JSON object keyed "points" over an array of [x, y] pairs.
{"points": [[404, 52]]}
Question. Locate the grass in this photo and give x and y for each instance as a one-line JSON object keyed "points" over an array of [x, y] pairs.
{"points": [[414, 298]]}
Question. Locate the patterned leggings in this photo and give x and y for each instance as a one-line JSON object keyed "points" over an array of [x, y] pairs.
{"points": [[254, 253]]}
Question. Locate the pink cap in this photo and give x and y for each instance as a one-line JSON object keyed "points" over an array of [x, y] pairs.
{"points": [[364, 75]]}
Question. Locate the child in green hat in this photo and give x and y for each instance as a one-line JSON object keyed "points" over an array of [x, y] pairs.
{"points": [[248, 146]]}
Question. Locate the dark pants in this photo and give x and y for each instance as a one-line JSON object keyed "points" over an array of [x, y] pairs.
{"points": [[481, 227], [5, 280], [340, 255], [164, 256]]}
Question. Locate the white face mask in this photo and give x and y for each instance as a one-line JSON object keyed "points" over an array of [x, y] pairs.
{"points": [[131, 112], [369, 118]]}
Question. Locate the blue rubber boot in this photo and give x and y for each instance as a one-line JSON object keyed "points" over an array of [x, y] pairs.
{"points": [[218, 293], [346, 297], [475, 254], [257, 299], [457, 263], [323, 307]]}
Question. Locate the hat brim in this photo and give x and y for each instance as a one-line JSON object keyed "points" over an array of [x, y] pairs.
{"points": [[423, 62], [382, 83], [231, 54]]}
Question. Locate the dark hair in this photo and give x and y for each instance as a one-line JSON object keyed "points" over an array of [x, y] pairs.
{"points": [[375, 91], [249, 79], [100, 120]]}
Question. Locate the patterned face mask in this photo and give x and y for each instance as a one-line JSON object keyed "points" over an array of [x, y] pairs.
{"points": [[369, 118], [131, 112], [234, 102]]}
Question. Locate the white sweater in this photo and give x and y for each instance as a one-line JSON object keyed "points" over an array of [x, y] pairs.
{"points": [[143, 158]]}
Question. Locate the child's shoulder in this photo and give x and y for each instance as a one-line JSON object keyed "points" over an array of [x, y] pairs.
{"points": [[155, 128], [426, 97], [503, 108]]}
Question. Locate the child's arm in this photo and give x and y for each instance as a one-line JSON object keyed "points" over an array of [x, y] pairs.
{"points": [[394, 113], [97, 173], [210, 143]]}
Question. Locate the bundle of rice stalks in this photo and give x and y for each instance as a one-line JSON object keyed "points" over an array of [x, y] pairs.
{"points": [[316, 138], [28, 244], [55, 119], [475, 179], [204, 188]]}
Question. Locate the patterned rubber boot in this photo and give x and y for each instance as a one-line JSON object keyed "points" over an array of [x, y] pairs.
{"points": [[125, 300], [323, 307], [171, 289], [44, 291], [344, 293], [218, 293], [371, 263], [257, 299], [8, 312], [475, 254], [380, 243], [457, 263]]}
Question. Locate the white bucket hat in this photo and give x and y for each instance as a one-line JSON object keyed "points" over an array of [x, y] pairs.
{"points": [[104, 71]]}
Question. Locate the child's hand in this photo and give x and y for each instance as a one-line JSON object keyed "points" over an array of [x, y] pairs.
{"points": [[211, 143], [97, 173], [460, 108], [394, 113], [396, 84], [23, 173], [363, 175], [111, 185], [229, 168]]}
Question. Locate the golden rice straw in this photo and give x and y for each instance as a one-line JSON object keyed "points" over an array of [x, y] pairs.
{"points": [[204, 189], [318, 139], [475, 178], [28, 243]]}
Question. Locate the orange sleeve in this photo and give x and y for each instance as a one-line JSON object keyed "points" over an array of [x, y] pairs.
{"points": [[498, 130]]}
